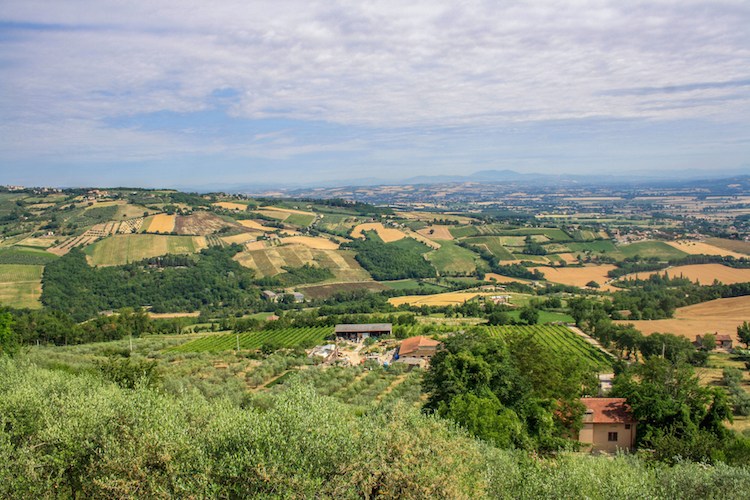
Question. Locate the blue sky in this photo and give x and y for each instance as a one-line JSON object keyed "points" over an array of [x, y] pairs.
{"points": [[186, 93]]}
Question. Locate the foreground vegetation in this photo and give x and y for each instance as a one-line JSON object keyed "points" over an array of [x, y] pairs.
{"points": [[67, 436]]}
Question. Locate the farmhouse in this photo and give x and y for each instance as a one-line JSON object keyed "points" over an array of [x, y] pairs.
{"points": [[723, 341], [608, 425], [500, 299], [420, 347], [269, 295], [361, 332], [298, 297]]}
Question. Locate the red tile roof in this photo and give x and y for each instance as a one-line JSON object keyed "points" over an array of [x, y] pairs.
{"points": [[723, 338], [412, 344], [609, 410]]}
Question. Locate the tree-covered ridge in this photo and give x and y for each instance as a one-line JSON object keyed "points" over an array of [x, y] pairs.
{"points": [[167, 284], [387, 262]]}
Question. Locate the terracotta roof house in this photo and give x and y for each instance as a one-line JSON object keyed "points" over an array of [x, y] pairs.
{"points": [[724, 340], [418, 347], [608, 425]]}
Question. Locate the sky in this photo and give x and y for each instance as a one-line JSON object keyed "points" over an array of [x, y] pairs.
{"points": [[164, 93]]}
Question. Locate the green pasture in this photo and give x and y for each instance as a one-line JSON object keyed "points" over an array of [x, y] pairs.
{"points": [[412, 245], [412, 284], [593, 246], [21, 295], [493, 244], [300, 219], [121, 249], [451, 259], [25, 255], [648, 249], [20, 272], [463, 231]]}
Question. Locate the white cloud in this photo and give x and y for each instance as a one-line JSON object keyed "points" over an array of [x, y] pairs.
{"points": [[365, 64]]}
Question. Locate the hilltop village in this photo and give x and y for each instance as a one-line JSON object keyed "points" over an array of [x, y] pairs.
{"points": [[533, 329]]}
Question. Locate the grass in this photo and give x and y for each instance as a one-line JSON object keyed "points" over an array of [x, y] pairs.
{"points": [[411, 284], [20, 272], [411, 244], [731, 245], [121, 249], [451, 259], [594, 246], [493, 244], [463, 231], [23, 295], [29, 256], [300, 219], [647, 249]]}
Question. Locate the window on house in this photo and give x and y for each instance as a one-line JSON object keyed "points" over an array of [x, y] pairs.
{"points": [[612, 436], [627, 426]]}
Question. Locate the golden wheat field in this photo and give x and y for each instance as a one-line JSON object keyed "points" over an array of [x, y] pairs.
{"points": [[253, 225], [577, 276], [720, 316], [698, 247], [162, 223], [440, 299], [707, 273], [436, 232], [231, 206], [312, 242], [387, 234], [241, 238]]}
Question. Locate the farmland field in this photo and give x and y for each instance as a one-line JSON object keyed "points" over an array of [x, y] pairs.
{"points": [[463, 231], [412, 245], [440, 299], [578, 276], [282, 338], [436, 232], [312, 242], [21, 255], [707, 273], [21, 295], [560, 339], [698, 247], [452, 259], [720, 316], [325, 291], [411, 284], [594, 246], [302, 220], [253, 224], [231, 206], [19, 272], [202, 223], [269, 261], [493, 244], [732, 245], [387, 234], [121, 249], [161, 223], [647, 249]]}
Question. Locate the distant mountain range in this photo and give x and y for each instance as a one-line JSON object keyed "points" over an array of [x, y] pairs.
{"points": [[635, 178]]}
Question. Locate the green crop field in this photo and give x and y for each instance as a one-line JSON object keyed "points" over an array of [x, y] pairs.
{"points": [[121, 249], [24, 255], [412, 245], [23, 295], [412, 284], [560, 339], [452, 259], [493, 245], [647, 249], [594, 246], [463, 231], [300, 219], [20, 272], [282, 338]]}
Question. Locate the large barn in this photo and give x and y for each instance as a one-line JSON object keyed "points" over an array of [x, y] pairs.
{"points": [[361, 332]]}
